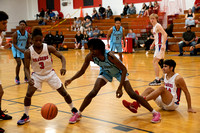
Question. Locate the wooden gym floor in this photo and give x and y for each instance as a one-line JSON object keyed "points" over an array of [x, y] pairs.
{"points": [[106, 113]]}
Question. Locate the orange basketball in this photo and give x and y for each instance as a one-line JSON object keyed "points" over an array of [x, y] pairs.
{"points": [[49, 111]]}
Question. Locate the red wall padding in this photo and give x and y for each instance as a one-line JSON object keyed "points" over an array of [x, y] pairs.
{"points": [[42, 4], [138, 1], [79, 3]]}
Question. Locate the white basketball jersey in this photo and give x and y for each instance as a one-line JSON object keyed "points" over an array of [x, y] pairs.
{"points": [[158, 37], [41, 63], [171, 87]]}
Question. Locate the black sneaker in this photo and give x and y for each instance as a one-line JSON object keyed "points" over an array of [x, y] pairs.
{"points": [[23, 120], [181, 54], [4, 116], [2, 130], [74, 110], [155, 82]]}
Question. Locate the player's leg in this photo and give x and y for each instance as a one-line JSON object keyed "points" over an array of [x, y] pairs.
{"points": [[100, 82], [2, 115], [156, 70], [120, 56], [67, 98], [27, 103], [17, 69], [142, 101], [25, 77]]}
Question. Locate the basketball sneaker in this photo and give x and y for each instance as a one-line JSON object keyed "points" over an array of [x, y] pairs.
{"points": [[2, 130], [75, 117], [155, 83], [131, 106], [25, 80], [23, 120], [156, 117], [4, 116], [17, 81]]}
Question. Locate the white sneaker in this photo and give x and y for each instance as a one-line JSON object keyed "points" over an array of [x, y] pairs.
{"points": [[82, 48]]}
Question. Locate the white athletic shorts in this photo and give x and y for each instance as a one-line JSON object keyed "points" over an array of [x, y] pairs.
{"points": [[171, 106], [158, 53], [52, 79]]}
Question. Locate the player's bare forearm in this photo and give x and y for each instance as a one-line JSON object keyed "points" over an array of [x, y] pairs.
{"points": [[63, 62]]}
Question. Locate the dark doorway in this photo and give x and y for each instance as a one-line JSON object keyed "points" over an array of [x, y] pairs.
{"points": [[50, 4], [87, 2]]}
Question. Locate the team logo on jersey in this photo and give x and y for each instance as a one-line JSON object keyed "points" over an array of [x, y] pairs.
{"points": [[40, 58]]}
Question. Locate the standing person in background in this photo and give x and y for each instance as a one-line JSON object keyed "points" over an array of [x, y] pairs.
{"points": [[21, 41], [3, 27], [160, 37], [116, 34], [57, 40]]}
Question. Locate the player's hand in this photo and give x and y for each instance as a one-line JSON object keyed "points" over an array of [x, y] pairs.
{"points": [[163, 48], [67, 82], [62, 71], [108, 45], [152, 46], [8, 45], [119, 92], [191, 48], [191, 110], [31, 82]]}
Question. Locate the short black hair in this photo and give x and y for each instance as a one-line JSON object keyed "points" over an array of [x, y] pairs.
{"points": [[3, 16], [170, 63], [96, 44], [117, 19], [37, 31], [23, 21]]}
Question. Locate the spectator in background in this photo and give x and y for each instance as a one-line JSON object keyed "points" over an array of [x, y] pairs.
{"points": [[95, 14], [42, 21], [96, 32], [76, 25], [148, 42], [88, 24], [131, 10], [90, 32], [196, 48], [85, 39], [149, 10], [56, 40], [41, 15], [78, 38], [125, 9], [60, 15], [109, 12], [196, 5], [189, 18], [61, 37], [156, 7], [132, 35], [87, 16], [188, 39], [82, 27], [49, 38], [102, 11], [101, 34], [52, 15], [144, 7]]}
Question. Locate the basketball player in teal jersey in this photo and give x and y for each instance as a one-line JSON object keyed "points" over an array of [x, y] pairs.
{"points": [[21, 41], [110, 66], [3, 27], [116, 34]]}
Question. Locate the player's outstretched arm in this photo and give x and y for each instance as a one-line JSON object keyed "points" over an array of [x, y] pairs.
{"points": [[180, 83], [27, 59], [52, 50], [85, 65]]}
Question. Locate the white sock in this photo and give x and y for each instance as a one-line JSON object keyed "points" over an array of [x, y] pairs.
{"points": [[71, 105], [26, 109], [154, 112], [157, 78]]}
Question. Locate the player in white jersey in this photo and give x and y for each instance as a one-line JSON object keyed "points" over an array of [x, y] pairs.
{"points": [[160, 37], [38, 55], [3, 27], [167, 97]]}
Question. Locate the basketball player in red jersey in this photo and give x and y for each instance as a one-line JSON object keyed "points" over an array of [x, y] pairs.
{"points": [[167, 97], [38, 55], [3, 27], [160, 37]]}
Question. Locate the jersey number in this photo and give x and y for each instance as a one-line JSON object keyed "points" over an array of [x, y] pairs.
{"points": [[41, 65]]}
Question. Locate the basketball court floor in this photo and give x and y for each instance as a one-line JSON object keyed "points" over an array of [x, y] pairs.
{"points": [[105, 114]]}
